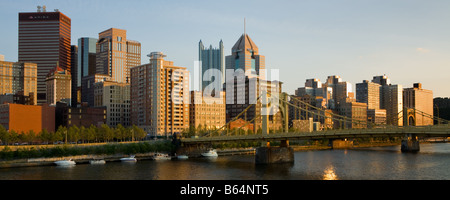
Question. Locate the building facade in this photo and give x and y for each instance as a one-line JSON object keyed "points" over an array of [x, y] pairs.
{"points": [[211, 58], [245, 56], [369, 93], [116, 98], [59, 85], [87, 87], [422, 101], [18, 77], [80, 116], [116, 55], [160, 96], [207, 112], [23, 118], [45, 39]]}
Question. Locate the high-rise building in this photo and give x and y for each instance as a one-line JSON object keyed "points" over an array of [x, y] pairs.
{"points": [[391, 99], [2, 57], [74, 63], [116, 98], [369, 93], [86, 57], [241, 95], [211, 58], [59, 85], [245, 56], [87, 87], [356, 111], [422, 101], [160, 96], [44, 39], [19, 77], [116, 55], [207, 112]]}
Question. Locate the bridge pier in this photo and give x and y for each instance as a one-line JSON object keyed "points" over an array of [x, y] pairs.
{"points": [[341, 144], [410, 143], [270, 155]]}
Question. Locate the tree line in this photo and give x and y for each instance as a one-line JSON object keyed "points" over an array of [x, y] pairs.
{"points": [[74, 134]]}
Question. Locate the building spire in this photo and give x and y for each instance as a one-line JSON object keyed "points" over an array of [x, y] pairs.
{"points": [[244, 26]]}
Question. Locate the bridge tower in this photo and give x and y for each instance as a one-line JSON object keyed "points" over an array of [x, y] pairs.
{"points": [[410, 142], [267, 154]]}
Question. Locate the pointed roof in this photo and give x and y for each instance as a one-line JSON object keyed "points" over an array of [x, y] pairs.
{"points": [[245, 43]]}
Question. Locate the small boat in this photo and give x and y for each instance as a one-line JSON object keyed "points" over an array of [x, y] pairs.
{"points": [[182, 157], [210, 153], [129, 159], [97, 162], [69, 162], [161, 156]]}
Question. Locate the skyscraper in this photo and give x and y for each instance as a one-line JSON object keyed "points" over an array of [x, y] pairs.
{"points": [[422, 101], [211, 58], [245, 56], [116, 54], [160, 96], [391, 99], [369, 93], [44, 39]]}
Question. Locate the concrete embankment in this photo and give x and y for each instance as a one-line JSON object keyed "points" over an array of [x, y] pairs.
{"points": [[81, 159]]}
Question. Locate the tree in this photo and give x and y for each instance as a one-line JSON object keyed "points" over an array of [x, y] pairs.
{"points": [[121, 133], [60, 134], [73, 134], [4, 135], [45, 135], [14, 136]]}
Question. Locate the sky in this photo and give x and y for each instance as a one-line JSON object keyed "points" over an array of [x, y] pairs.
{"points": [[406, 40]]}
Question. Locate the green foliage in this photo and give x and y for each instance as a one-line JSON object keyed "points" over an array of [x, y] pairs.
{"points": [[109, 149]]}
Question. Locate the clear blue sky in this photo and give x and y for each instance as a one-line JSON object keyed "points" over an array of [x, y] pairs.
{"points": [[407, 40]]}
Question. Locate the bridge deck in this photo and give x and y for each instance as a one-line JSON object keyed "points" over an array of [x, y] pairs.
{"points": [[427, 131]]}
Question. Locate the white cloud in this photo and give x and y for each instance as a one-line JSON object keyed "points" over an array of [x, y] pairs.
{"points": [[422, 50]]}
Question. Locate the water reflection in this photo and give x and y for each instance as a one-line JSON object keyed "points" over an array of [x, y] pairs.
{"points": [[329, 174]]}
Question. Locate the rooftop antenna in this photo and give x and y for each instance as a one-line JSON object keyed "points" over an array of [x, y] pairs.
{"points": [[244, 25]]}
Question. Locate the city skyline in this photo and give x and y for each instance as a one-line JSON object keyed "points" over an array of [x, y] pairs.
{"points": [[356, 40]]}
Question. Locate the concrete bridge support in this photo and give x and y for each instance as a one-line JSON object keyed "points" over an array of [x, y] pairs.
{"points": [[410, 143], [269, 155], [341, 143]]}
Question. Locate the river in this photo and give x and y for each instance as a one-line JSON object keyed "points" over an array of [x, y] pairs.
{"points": [[385, 163]]}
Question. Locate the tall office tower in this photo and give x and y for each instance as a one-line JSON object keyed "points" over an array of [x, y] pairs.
{"points": [[115, 55], [245, 56], [86, 62], [241, 95], [59, 85], [44, 39], [422, 101], [383, 81], [211, 58], [341, 90], [315, 88], [369, 93], [74, 63], [19, 77], [116, 98], [391, 99], [160, 96]]}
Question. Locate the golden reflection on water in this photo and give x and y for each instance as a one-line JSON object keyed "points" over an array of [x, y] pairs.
{"points": [[329, 174]]}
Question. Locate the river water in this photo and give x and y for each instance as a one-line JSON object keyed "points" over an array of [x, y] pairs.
{"points": [[432, 162]]}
